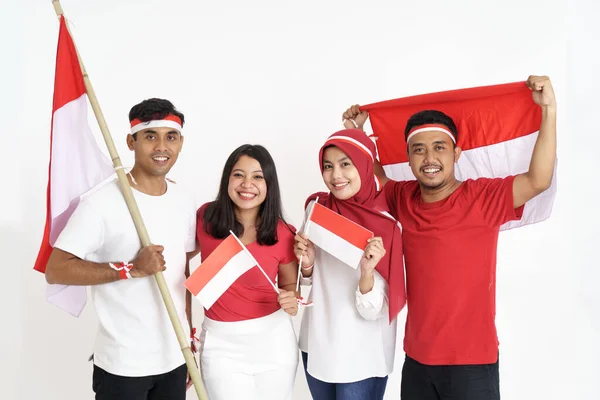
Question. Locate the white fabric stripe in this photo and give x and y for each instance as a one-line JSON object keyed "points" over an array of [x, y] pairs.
{"points": [[159, 123], [77, 166], [235, 267], [356, 142], [431, 129], [496, 161], [335, 245]]}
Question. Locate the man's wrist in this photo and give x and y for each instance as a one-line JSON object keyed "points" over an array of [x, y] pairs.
{"points": [[123, 269], [549, 110]]}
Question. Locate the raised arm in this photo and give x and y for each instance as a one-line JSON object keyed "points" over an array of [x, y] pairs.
{"points": [[354, 118], [541, 168]]}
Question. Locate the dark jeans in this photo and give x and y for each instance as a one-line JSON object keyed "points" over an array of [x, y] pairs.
{"points": [[367, 389], [450, 382], [167, 386]]}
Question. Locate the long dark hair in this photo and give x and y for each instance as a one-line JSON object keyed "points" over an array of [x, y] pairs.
{"points": [[219, 217]]}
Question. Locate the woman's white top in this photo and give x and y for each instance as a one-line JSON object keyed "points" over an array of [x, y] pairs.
{"points": [[346, 334]]}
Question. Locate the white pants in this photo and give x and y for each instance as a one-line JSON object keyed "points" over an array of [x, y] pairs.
{"points": [[255, 359]]}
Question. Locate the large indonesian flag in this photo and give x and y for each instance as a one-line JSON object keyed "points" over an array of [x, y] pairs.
{"points": [[76, 163], [497, 129], [337, 235]]}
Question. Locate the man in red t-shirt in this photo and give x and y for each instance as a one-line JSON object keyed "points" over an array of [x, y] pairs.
{"points": [[450, 237]]}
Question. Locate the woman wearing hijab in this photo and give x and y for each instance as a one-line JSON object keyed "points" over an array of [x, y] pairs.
{"points": [[348, 336]]}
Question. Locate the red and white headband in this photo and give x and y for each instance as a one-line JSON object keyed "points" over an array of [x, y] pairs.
{"points": [[352, 141], [430, 128], [170, 121]]}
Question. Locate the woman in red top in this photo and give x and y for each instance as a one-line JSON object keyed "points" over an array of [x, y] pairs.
{"points": [[249, 347]]}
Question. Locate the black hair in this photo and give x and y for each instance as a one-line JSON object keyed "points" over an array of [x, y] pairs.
{"points": [[430, 117], [219, 217], [154, 108]]}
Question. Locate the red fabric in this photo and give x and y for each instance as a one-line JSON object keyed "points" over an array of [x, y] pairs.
{"points": [[251, 295], [68, 81], [365, 209], [483, 115], [68, 86], [169, 117], [450, 252], [123, 274]]}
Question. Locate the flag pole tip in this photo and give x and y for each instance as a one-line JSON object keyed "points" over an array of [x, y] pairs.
{"points": [[57, 8]]}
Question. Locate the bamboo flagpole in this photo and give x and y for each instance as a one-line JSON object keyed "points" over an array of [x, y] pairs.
{"points": [[139, 225]]}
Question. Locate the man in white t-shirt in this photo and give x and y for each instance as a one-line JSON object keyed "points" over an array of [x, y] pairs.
{"points": [[136, 354]]}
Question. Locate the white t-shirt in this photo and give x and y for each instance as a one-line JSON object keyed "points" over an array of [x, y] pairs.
{"points": [[135, 336], [346, 334]]}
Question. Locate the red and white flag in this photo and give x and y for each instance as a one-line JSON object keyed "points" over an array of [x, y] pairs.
{"points": [[222, 267], [342, 238], [76, 163], [497, 129]]}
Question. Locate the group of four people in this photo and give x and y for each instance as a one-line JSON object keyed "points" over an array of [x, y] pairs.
{"points": [[442, 231]]}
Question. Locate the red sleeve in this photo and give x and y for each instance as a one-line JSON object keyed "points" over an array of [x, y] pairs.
{"points": [[496, 201], [286, 241]]}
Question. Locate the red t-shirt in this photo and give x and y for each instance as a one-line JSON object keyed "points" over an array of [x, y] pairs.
{"points": [[450, 255], [251, 295]]}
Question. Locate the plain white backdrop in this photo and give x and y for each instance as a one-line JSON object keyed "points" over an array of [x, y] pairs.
{"points": [[280, 73]]}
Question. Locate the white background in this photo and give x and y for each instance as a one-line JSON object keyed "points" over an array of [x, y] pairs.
{"points": [[280, 73]]}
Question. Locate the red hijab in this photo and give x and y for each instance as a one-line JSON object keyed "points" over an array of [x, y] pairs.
{"points": [[365, 208]]}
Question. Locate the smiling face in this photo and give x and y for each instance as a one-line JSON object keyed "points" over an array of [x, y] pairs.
{"points": [[339, 173], [431, 156], [156, 150], [247, 186]]}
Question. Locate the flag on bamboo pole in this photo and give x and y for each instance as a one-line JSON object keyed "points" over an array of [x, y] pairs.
{"points": [[76, 163]]}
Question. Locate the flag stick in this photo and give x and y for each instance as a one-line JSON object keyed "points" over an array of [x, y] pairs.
{"points": [[299, 273], [254, 259], [305, 231], [140, 226]]}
